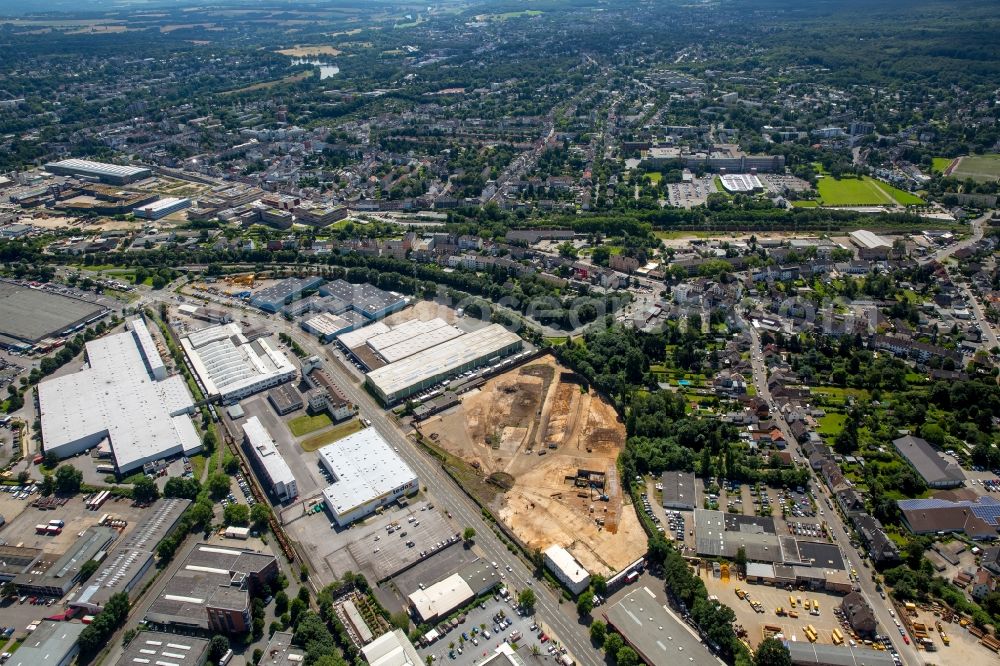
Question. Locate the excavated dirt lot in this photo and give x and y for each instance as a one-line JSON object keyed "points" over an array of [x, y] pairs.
{"points": [[534, 429]]}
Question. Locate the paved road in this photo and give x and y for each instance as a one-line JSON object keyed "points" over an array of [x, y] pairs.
{"points": [[840, 532]]}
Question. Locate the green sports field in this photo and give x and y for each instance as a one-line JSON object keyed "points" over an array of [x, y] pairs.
{"points": [[939, 164], [862, 192], [978, 167]]}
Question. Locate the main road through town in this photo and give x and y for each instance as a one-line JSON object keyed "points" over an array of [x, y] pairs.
{"points": [[838, 530]]}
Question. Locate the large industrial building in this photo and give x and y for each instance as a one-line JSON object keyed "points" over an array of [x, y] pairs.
{"points": [[231, 367], [123, 400], [365, 299], [162, 208], [564, 566], [328, 326], [678, 491], [275, 297], [210, 592], [58, 579], [804, 653], [154, 648], [928, 463], [28, 316], [52, 644], [870, 245], [124, 568], [268, 460], [108, 173], [367, 474], [397, 381], [658, 636]]}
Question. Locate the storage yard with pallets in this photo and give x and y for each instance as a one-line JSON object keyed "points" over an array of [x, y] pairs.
{"points": [[550, 449], [965, 645]]}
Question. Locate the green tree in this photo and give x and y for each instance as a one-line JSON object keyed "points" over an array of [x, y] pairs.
{"points": [[184, 488], [626, 656], [280, 602], [236, 514], [48, 485], [68, 480], [218, 485], [259, 516], [598, 632], [613, 643], [585, 603], [217, 647], [527, 599], [144, 490], [772, 652], [469, 533], [88, 569]]}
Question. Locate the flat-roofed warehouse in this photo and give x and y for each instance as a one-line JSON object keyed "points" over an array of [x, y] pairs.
{"points": [[454, 591], [51, 644], [870, 245], [268, 460], [118, 398], [273, 298], [678, 490], [231, 367], [124, 568], [367, 474], [154, 648], [655, 634], [822, 654], [367, 299], [397, 381], [28, 316], [57, 580], [115, 174], [412, 337]]}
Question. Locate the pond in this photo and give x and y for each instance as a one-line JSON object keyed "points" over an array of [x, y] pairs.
{"points": [[326, 70]]}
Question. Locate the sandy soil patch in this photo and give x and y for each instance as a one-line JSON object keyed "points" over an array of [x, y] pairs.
{"points": [[535, 429], [307, 51]]}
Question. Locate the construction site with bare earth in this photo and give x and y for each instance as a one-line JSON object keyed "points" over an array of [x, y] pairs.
{"points": [[546, 448]]}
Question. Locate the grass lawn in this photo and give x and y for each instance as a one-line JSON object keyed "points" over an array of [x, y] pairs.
{"points": [[674, 235], [831, 424], [978, 167], [655, 176], [330, 436], [805, 203], [556, 342], [862, 192], [198, 465], [303, 425], [939, 164]]}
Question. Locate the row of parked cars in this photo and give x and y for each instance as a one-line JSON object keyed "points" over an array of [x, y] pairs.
{"points": [[22, 492]]}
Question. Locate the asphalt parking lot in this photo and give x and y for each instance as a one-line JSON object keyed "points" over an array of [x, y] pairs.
{"points": [[688, 195], [414, 534], [470, 636]]}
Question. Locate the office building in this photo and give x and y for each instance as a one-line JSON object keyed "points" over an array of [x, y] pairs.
{"points": [[210, 591], [367, 474], [107, 173], [280, 652], [122, 399], [397, 381], [274, 471], [564, 566], [231, 367]]}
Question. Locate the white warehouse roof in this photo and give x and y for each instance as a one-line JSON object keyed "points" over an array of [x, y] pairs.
{"points": [[419, 343], [115, 397], [869, 240], [364, 468], [444, 358], [267, 453], [227, 363], [360, 336], [561, 559], [100, 168], [741, 182], [405, 331], [391, 649], [441, 598]]}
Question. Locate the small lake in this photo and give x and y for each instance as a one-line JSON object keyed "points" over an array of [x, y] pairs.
{"points": [[326, 70]]}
